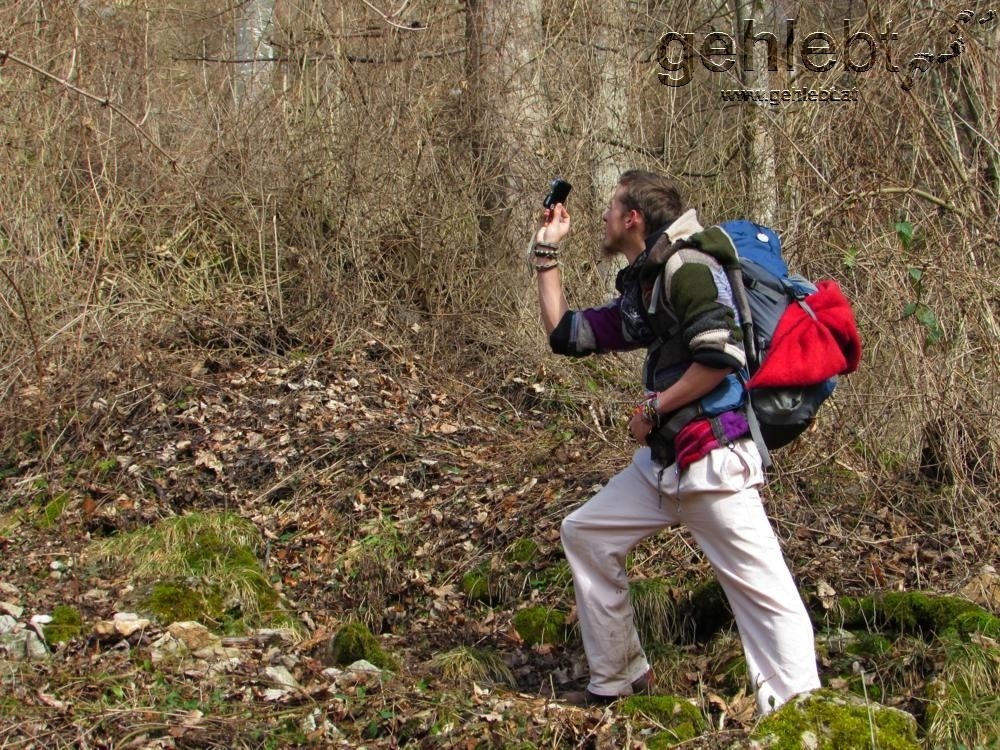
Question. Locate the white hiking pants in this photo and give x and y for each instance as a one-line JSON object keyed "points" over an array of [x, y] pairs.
{"points": [[717, 499]]}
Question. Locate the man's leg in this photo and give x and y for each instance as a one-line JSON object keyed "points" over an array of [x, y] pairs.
{"points": [[721, 506], [596, 537]]}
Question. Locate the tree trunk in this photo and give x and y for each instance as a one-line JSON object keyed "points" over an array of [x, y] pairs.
{"points": [[504, 41], [759, 156], [252, 71], [610, 112]]}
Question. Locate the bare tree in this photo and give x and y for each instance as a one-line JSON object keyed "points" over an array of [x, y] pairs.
{"points": [[504, 41]]}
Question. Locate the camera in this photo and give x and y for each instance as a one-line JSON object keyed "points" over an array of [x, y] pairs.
{"points": [[558, 192]]}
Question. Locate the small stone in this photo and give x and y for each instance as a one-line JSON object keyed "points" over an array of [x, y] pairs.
{"points": [[57, 565], [363, 666], [11, 609], [275, 694], [34, 647], [281, 677], [7, 624], [104, 628], [128, 627], [194, 635], [41, 619]]}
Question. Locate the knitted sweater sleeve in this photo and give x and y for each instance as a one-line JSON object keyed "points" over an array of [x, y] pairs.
{"points": [[594, 330], [698, 290]]}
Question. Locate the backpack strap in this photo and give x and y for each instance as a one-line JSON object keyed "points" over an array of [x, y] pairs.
{"points": [[735, 276], [755, 431]]}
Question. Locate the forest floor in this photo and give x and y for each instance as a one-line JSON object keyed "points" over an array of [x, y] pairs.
{"points": [[375, 485]]}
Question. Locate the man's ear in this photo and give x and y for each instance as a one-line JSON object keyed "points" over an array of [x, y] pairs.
{"points": [[634, 220]]}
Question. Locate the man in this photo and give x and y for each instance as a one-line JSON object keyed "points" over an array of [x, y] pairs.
{"points": [[704, 472]]}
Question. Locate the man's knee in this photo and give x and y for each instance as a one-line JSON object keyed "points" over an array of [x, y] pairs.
{"points": [[570, 532]]}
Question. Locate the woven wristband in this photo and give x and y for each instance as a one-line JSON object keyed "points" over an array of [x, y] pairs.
{"points": [[547, 245]]}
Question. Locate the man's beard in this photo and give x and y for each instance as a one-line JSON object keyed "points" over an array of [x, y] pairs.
{"points": [[608, 250]]}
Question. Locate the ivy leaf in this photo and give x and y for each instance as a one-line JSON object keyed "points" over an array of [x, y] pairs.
{"points": [[910, 308], [904, 230], [916, 275]]}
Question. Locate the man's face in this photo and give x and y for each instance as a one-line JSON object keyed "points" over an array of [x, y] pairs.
{"points": [[617, 222]]}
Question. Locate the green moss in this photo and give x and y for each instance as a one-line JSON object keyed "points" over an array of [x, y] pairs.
{"points": [[869, 645], [475, 585], [482, 584], [916, 612], [828, 720], [538, 625], [53, 510], [217, 549], [171, 601], [66, 624], [354, 641], [679, 718], [523, 551]]}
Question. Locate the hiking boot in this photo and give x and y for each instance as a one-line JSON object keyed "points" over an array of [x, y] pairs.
{"points": [[584, 698]]}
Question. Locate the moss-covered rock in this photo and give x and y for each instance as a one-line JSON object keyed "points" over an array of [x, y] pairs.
{"points": [[353, 642], [66, 625], [219, 551], [679, 718], [173, 601], [917, 612], [828, 720], [538, 625]]}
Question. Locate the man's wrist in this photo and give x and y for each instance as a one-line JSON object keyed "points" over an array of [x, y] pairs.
{"points": [[545, 255]]}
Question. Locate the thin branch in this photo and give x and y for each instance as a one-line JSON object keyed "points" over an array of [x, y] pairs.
{"points": [[298, 59], [387, 17], [6, 55]]}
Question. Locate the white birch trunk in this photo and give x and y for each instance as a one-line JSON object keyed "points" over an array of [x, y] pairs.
{"points": [[252, 71], [760, 162], [610, 112]]}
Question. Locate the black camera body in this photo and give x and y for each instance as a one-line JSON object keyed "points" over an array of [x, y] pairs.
{"points": [[558, 192]]}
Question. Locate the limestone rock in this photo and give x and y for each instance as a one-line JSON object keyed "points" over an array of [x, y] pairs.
{"points": [[831, 720]]}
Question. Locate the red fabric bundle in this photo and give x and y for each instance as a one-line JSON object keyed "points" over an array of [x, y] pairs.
{"points": [[806, 351]]}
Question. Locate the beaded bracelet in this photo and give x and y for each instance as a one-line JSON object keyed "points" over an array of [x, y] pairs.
{"points": [[547, 245], [547, 266], [648, 411], [545, 253]]}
